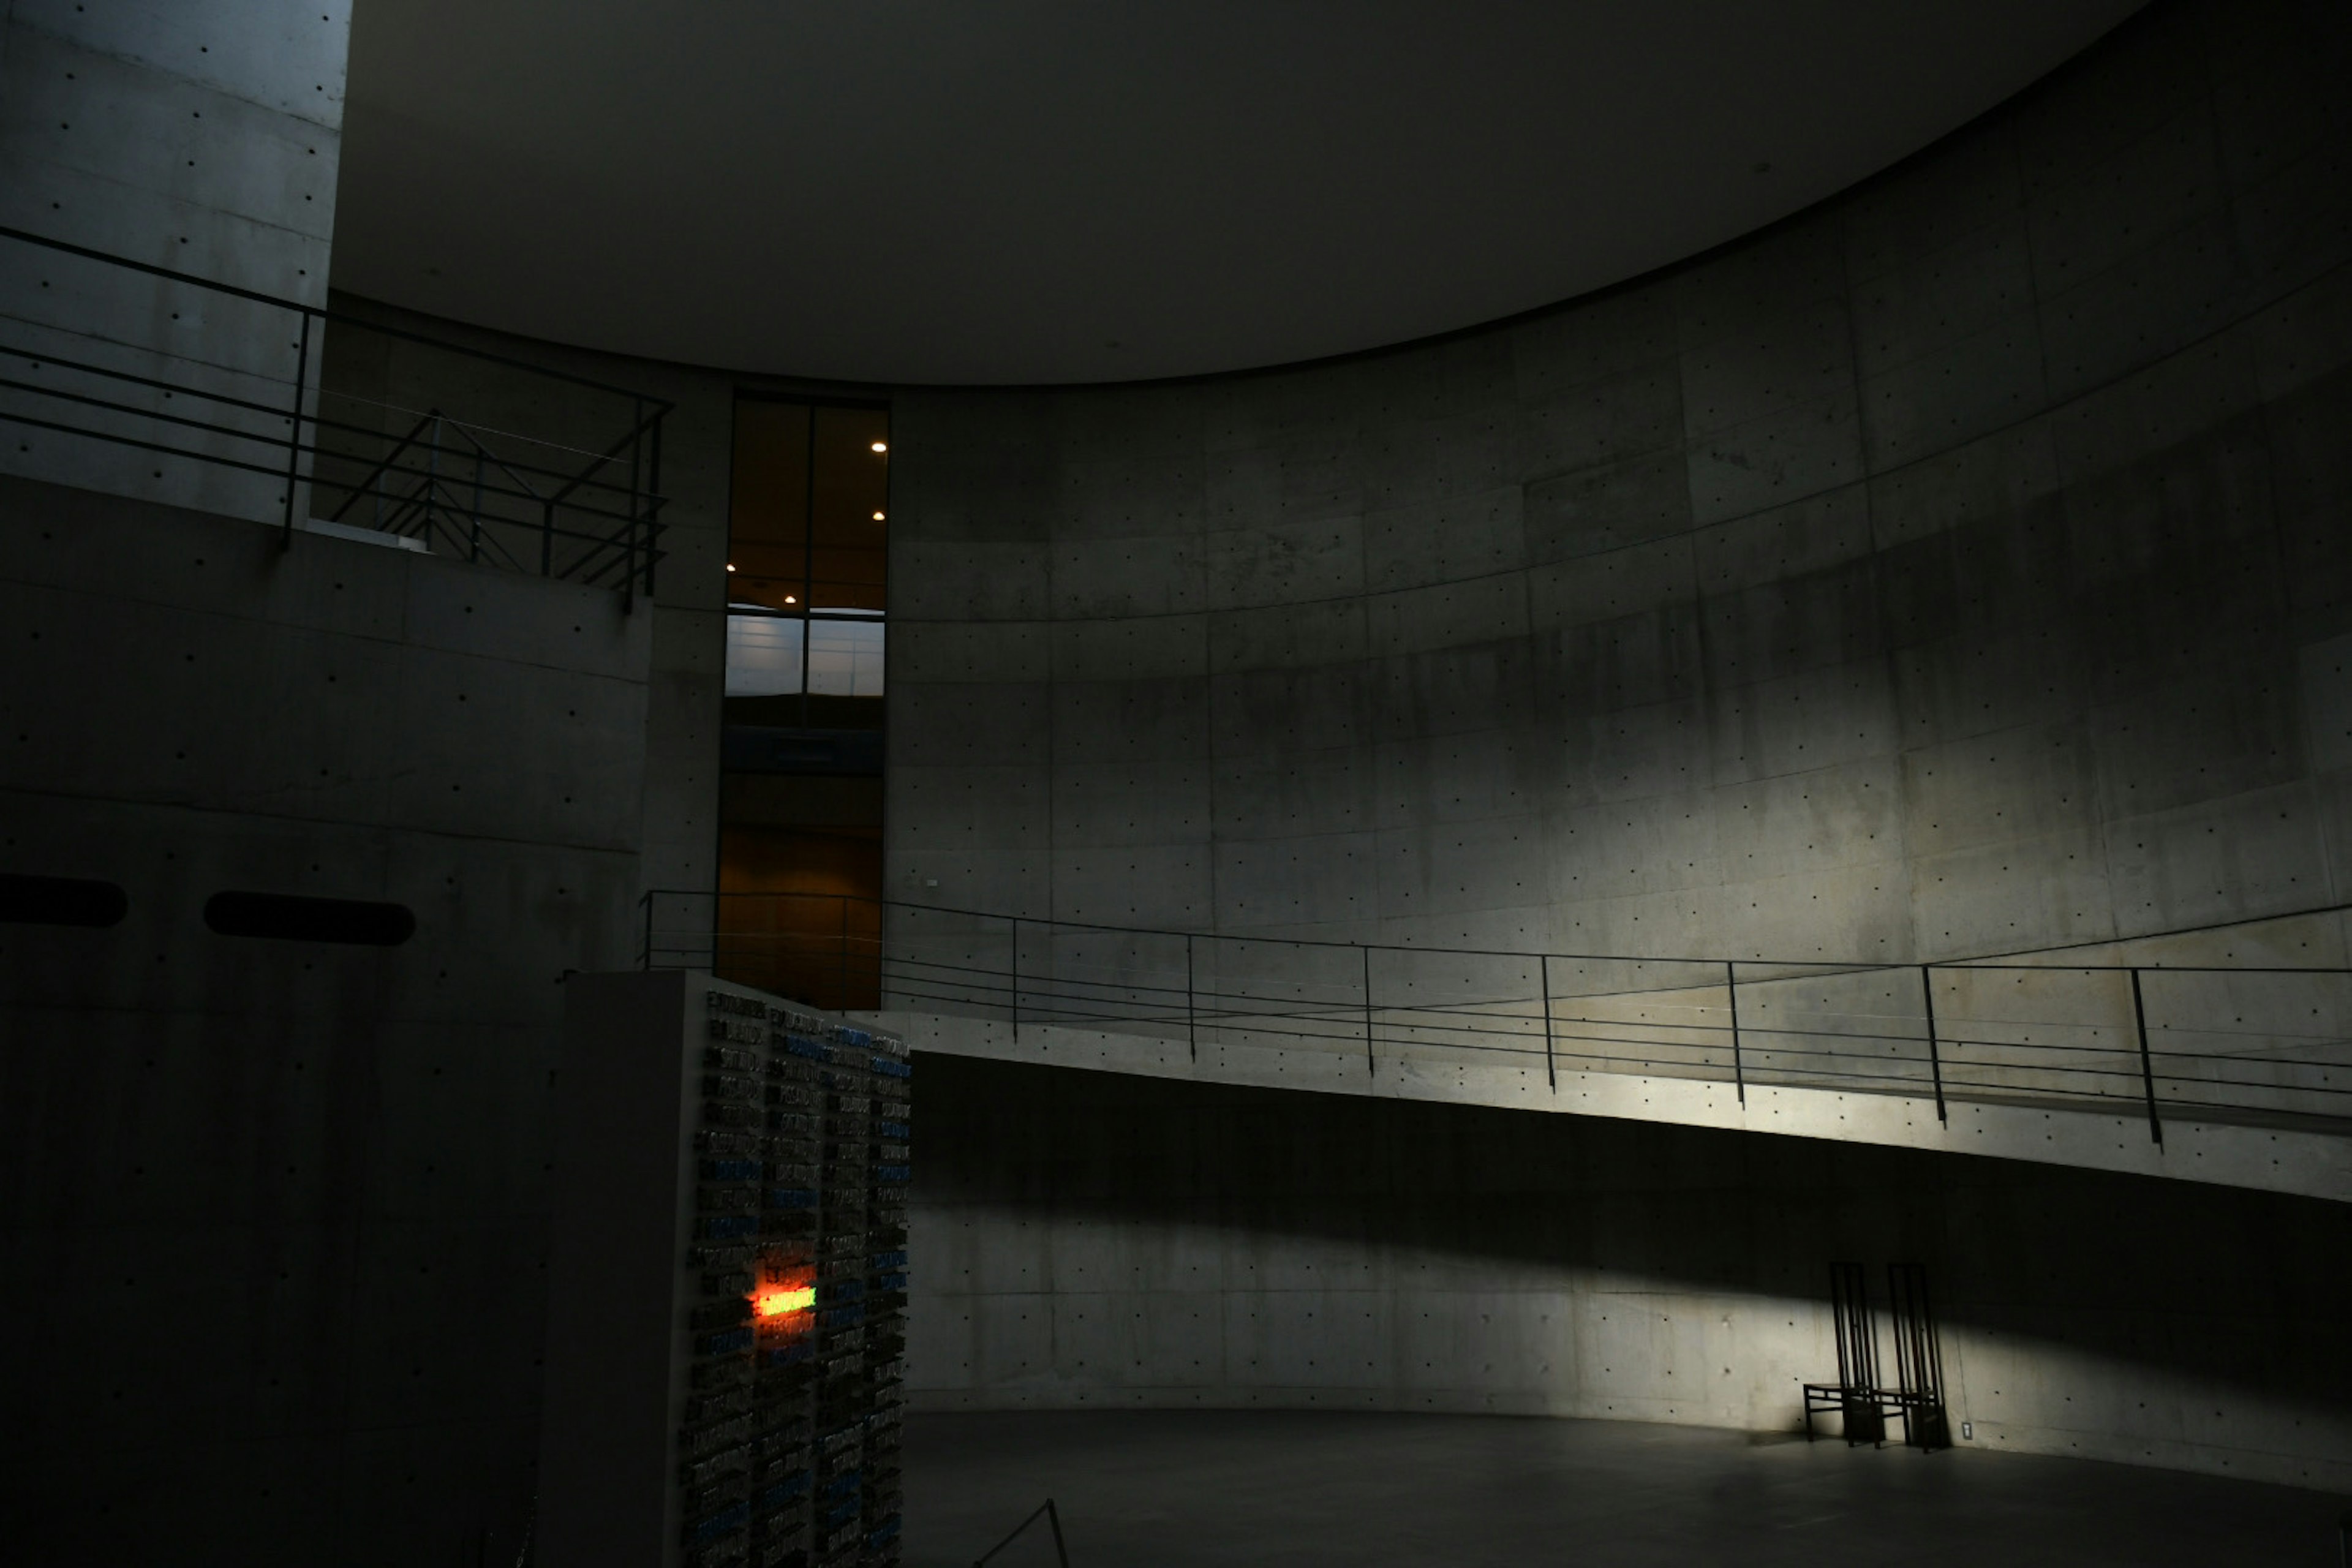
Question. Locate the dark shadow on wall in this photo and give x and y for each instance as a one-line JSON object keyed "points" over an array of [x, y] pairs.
{"points": [[2233, 1286]]}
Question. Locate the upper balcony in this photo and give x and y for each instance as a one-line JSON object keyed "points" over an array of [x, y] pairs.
{"points": [[123, 376]]}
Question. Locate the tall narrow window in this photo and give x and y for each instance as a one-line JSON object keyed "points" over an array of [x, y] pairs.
{"points": [[801, 803]]}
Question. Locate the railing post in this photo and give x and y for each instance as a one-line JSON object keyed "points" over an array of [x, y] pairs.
{"points": [[646, 953], [432, 482], [653, 515], [1370, 1066], [1935, 1060], [1731, 1000], [294, 443], [1016, 978], [1551, 1074], [1191, 1023], [1054, 1517], [546, 539], [844, 953], [2146, 1066], [636, 454], [629, 565], [473, 535]]}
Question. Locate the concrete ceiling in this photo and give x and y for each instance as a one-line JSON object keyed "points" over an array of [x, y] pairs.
{"points": [[1026, 191]]}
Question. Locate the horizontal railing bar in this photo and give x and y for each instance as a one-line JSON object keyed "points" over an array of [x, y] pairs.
{"points": [[177, 389], [457, 484], [2151, 967], [272, 471], [337, 394], [515, 468], [277, 444], [366, 487], [39, 360], [1345, 1018], [1348, 1021], [1344, 1039], [86, 400], [1351, 1005], [275, 472], [279, 413], [322, 313], [1053, 980], [1827, 968], [2233, 1034], [1426, 1017], [2257, 1083]]}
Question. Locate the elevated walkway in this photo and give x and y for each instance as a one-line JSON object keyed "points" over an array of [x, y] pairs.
{"points": [[2220, 1055]]}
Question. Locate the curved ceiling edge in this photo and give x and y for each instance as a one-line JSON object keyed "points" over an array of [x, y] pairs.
{"points": [[1052, 193]]}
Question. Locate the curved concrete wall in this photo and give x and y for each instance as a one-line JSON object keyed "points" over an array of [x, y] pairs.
{"points": [[1956, 568], [1086, 1239]]}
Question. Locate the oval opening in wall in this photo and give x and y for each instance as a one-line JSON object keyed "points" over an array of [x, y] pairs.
{"points": [[284, 918], [60, 902]]}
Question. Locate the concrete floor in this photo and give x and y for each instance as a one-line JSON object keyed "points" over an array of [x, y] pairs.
{"points": [[1143, 1489]]}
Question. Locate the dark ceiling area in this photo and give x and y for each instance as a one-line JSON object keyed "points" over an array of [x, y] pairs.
{"points": [[1044, 190]]}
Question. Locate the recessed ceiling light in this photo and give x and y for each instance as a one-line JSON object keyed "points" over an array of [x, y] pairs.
{"points": [[790, 600], [730, 567], [881, 445], [878, 516]]}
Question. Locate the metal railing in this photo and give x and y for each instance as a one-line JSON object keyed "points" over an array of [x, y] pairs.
{"points": [[224, 387], [2229, 1041]]}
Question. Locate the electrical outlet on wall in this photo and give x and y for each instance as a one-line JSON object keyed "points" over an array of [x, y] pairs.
{"points": [[1967, 1431]]}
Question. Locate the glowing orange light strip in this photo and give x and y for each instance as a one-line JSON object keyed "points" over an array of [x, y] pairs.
{"points": [[774, 1301]]}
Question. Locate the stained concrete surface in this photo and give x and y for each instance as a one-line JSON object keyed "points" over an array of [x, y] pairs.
{"points": [[1164, 1488], [1107, 1241]]}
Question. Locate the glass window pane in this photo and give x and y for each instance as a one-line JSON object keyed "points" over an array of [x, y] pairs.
{"points": [[846, 658], [763, 656], [768, 537], [851, 500]]}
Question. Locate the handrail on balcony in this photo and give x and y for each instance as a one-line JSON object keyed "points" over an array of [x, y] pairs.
{"points": [[590, 511], [2149, 1038]]}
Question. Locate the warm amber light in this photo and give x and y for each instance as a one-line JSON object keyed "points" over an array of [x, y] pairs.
{"points": [[730, 567], [881, 445], [878, 516], [790, 600]]}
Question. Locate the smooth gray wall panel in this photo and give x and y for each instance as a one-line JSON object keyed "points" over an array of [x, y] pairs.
{"points": [[1930, 574], [322, 1165]]}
